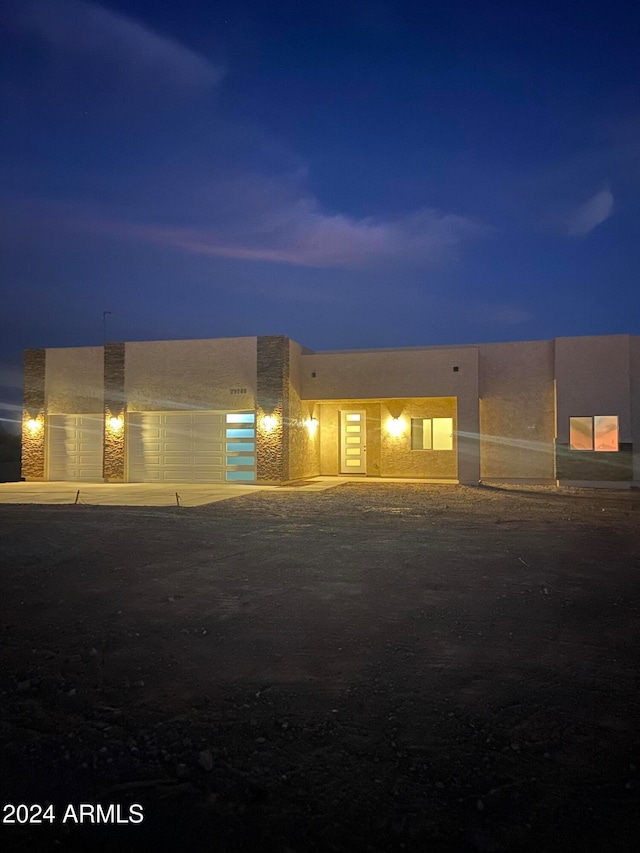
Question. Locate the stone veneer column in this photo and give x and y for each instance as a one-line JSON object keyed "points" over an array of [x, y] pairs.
{"points": [[113, 459], [272, 398], [33, 440]]}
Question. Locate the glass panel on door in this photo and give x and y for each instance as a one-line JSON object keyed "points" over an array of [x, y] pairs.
{"points": [[353, 449]]}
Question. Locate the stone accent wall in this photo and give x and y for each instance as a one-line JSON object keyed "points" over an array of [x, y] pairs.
{"points": [[113, 466], [272, 399], [33, 442], [594, 465]]}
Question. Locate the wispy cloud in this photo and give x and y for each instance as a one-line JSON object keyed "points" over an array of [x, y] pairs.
{"points": [[94, 34], [223, 189], [302, 234], [592, 213]]}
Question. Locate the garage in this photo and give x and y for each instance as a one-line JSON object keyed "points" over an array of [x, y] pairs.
{"points": [[191, 447], [75, 447]]}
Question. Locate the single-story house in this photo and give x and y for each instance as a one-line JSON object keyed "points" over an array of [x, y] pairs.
{"points": [[268, 410]]}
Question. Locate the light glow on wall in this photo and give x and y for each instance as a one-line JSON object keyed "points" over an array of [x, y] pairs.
{"points": [[116, 424], [269, 423], [312, 426], [34, 425], [396, 427]]}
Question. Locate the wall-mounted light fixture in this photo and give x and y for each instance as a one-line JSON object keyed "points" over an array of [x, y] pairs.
{"points": [[34, 425], [269, 423], [116, 424], [395, 427], [312, 425]]}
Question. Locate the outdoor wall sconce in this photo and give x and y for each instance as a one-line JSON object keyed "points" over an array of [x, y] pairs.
{"points": [[116, 424], [269, 423], [312, 426], [395, 427], [34, 425]]}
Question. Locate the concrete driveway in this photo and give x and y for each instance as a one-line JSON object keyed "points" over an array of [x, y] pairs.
{"points": [[156, 494], [140, 494]]}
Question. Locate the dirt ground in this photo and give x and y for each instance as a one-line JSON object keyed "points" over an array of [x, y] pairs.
{"points": [[369, 668]]}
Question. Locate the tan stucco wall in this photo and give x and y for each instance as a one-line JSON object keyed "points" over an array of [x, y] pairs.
{"points": [[329, 416], [592, 375], [74, 381], [397, 459], [402, 374], [389, 374], [329, 434], [593, 378], [167, 375], [304, 447], [517, 410], [389, 456]]}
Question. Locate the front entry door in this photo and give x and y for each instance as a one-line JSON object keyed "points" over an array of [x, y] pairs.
{"points": [[353, 442]]}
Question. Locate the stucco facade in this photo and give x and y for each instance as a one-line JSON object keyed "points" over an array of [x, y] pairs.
{"points": [[266, 409], [517, 411]]}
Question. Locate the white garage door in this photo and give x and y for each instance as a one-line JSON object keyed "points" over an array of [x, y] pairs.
{"points": [[75, 447], [191, 447]]}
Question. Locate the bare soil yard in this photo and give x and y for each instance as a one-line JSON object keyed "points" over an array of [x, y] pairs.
{"points": [[370, 668]]}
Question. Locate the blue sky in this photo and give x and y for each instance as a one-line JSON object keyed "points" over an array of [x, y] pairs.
{"points": [[350, 174]]}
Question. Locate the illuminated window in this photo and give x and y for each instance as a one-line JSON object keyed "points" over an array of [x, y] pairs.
{"points": [[432, 433], [594, 433]]}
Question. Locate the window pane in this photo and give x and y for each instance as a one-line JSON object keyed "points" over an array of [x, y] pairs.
{"points": [[353, 417], [427, 442], [235, 418], [241, 446], [416, 434], [353, 439], [606, 432], [443, 433], [240, 475], [240, 433], [581, 433], [354, 428], [240, 460]]}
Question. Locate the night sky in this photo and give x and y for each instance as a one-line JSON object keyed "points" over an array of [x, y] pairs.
{"points": [[349, 174]]}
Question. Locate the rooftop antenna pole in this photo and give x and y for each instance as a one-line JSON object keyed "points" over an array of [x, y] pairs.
{"points": [[104, 326]]}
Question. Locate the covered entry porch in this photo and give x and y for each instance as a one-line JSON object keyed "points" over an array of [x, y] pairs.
{"points": [[401, 437]]}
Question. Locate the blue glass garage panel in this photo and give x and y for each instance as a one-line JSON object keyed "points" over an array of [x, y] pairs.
{"points": [[240, 440], [240, 475], [240, 460]]}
